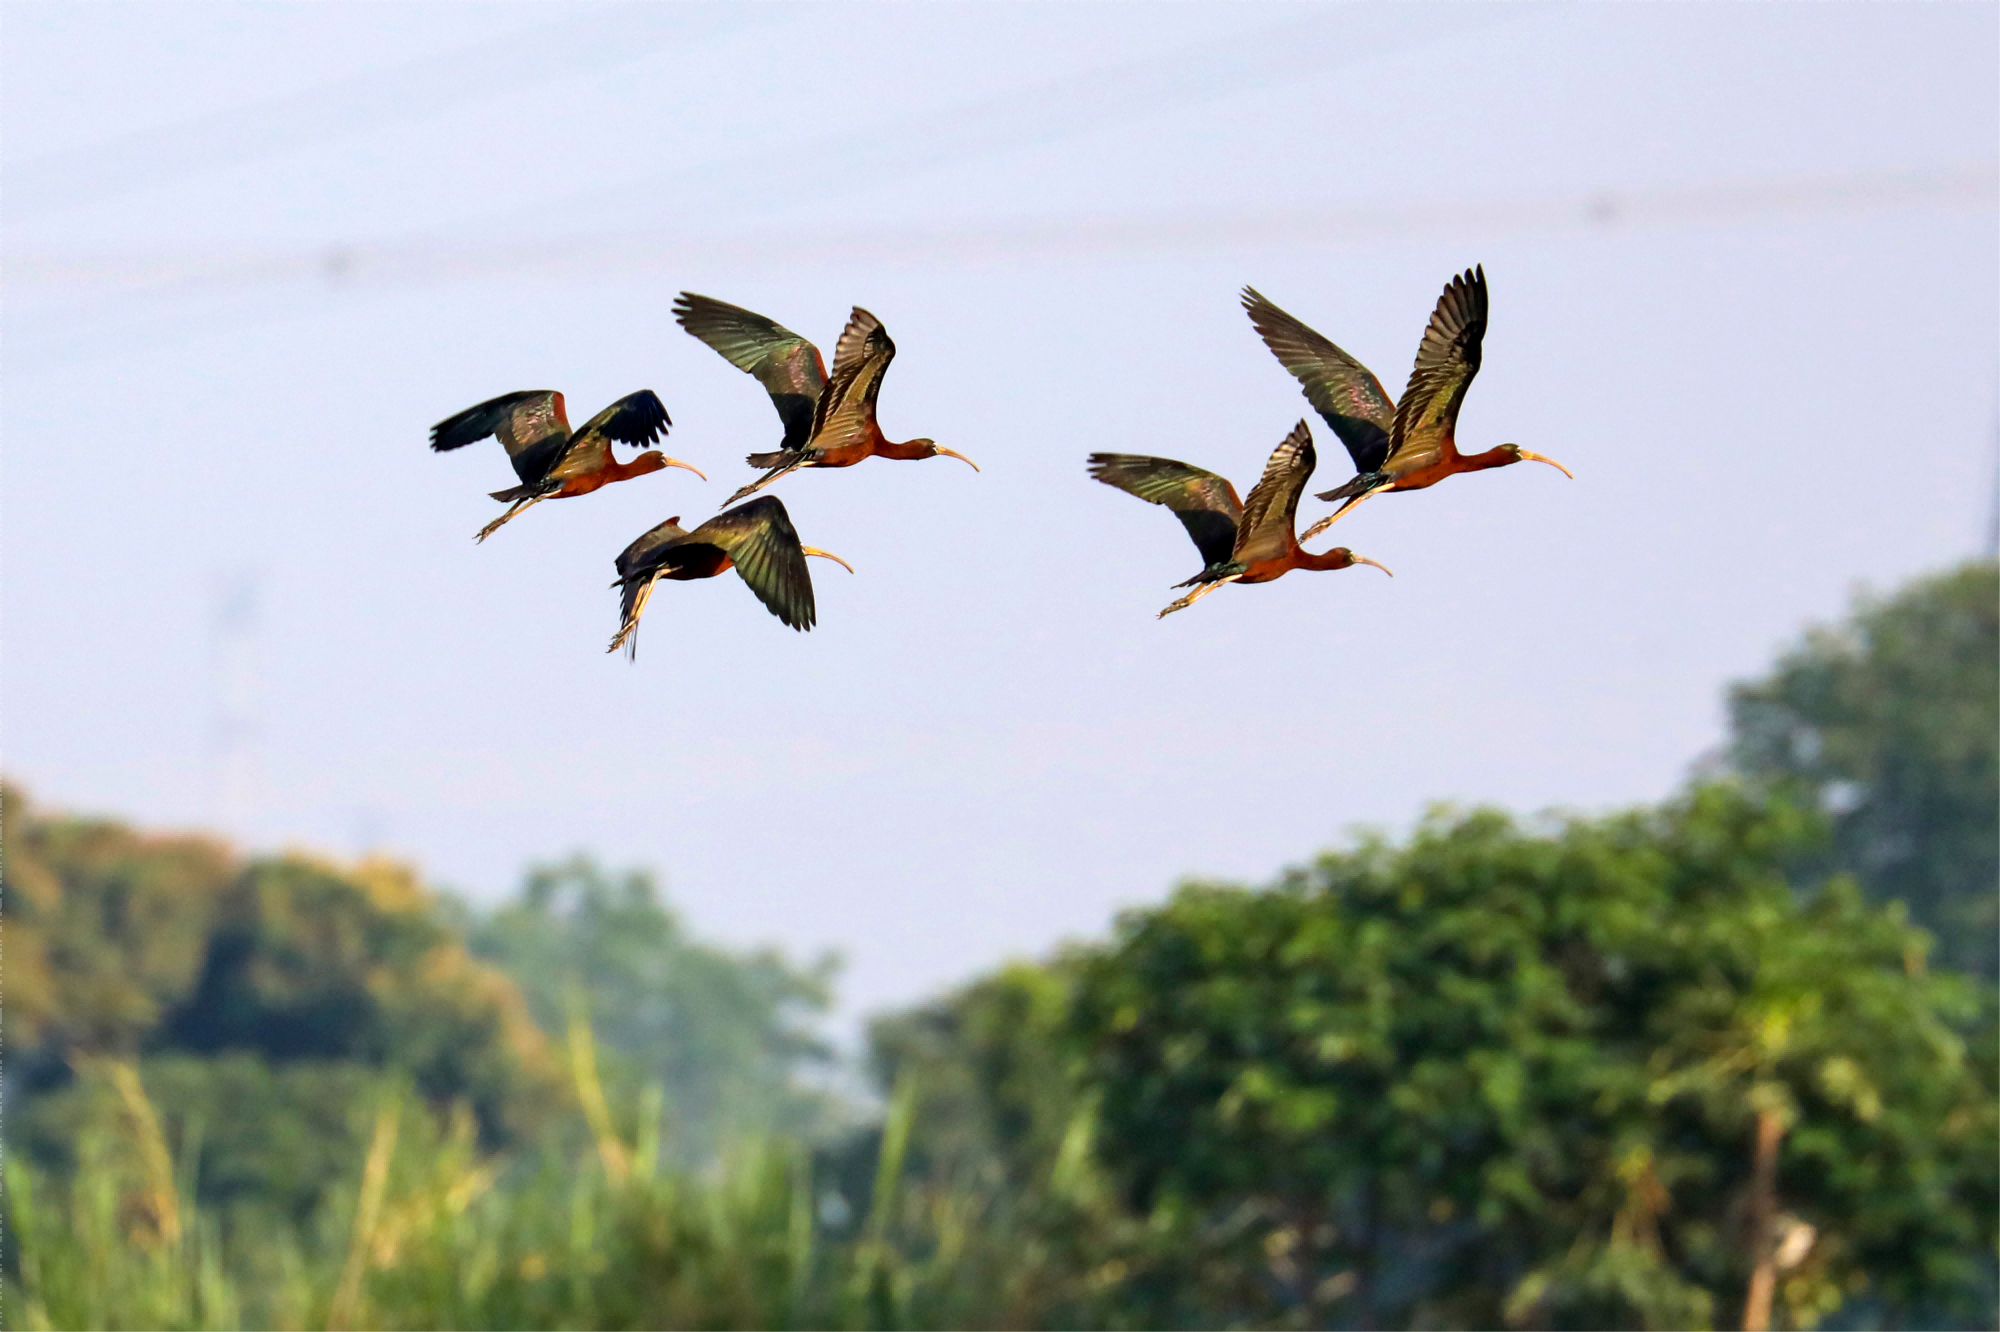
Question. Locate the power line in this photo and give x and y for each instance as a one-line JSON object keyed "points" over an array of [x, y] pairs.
{"points": [[501, 66], [419, 262]]}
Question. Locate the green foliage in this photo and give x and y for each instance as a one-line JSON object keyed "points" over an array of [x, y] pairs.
{"points": [[1891, 723], [727, 1036], [265, 1142], [1496, 1078], [262, 994]]}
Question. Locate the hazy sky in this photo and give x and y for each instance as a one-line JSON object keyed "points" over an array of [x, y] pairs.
{"points": [[1744, 284]]}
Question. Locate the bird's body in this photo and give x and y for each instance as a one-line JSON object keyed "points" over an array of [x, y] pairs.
{"points": [[1409, 444], [829, 420], [1247, 541], [553, 461], [755, 539]]}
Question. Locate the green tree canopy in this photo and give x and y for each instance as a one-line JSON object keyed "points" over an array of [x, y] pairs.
{"points": [[1497, 1078], [1890, 722]]}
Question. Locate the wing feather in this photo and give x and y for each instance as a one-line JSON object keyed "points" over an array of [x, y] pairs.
{"points": [[1447, 359], [788, 366], [854, 338], [1205, 503], [636, 419], [1267, 529], [531, 425], [763, 544], [1340, 388], [847, 408]]}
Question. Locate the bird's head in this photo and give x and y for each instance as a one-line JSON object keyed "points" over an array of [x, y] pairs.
{"points": [[1348, 559], [931, 448], [1515, 453], [652, 460]]}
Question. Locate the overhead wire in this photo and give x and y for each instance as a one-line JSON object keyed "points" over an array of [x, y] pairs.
{"points": [[503, 66], [406, 263]]}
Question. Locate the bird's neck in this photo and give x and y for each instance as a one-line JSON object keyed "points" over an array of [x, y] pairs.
{"points": [[639, 466], [1479, 462], [905, 451], [1332, 559]]}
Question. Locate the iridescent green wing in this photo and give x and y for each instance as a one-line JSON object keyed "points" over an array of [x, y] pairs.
{"points": [[760, 539], [637, 419], [1267, 531], [1447, 359], [1340, 388], [531, 425], [789, 367], [1205, 503]]}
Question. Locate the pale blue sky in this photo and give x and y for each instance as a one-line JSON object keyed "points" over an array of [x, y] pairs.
{"points": [[1744, 284]]}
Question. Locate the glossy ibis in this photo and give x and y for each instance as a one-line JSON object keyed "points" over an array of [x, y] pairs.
{"points": [[829, 422], [553, 462], [1240, 542], [756, 539], [1410, 444]]}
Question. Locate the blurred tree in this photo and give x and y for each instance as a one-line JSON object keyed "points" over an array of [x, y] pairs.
{"points": [[1890, 722], [728, 1036], [299, 977], [1495, 1078], [308, 961]]}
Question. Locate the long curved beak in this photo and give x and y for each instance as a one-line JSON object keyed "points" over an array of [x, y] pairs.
{"points": [[828, 555], [1363, 559], [676, 462], [950, 453], [1536, 457]]}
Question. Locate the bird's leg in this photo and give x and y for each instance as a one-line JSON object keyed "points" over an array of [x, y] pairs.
{"points": [[1333, 517], [1197, 595], [627, 630], [516, 507], [761, 482]]}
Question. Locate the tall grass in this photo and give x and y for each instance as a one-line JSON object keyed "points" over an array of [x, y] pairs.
{"points": [[432, 1232]]}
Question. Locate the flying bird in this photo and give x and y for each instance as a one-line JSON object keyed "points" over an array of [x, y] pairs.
{"points": [[1409, 444], [829, 422], [553, 462], [756, 539], [1240, 542]]}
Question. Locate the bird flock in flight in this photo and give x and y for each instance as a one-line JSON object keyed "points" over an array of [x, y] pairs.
{"points": [[829, 421]]}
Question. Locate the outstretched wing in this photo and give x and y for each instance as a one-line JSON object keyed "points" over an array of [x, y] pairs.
{"points": [[1340, 388], [1447, 359], [847, 408], [854, 338], [637, 419], [760, 539], [789, 367], [1205, 503], [531, 425], [1266, 530]]}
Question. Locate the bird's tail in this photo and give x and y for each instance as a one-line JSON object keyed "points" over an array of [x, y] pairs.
{"points": [[1214, 573], [781, 458], [1358, 484], [511, 494]]}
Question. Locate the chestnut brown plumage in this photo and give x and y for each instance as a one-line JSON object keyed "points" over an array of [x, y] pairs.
{"points": [[756, 539], [1412, 443], [1240, 541], [553, 462], [829, 421]]}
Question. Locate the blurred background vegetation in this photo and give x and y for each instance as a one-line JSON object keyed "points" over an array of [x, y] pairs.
{"points": [[1731, 1059]]}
